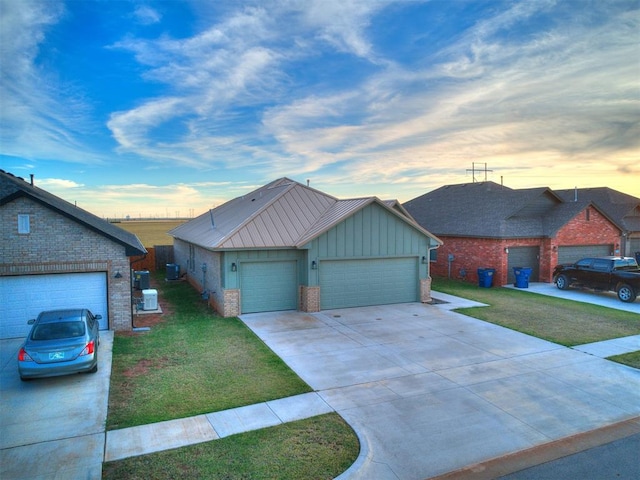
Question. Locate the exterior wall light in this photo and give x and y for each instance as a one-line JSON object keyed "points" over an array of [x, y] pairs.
{"points": [[424, 259], [314, 265], [234, 267], [118, 274], [506, 249]]}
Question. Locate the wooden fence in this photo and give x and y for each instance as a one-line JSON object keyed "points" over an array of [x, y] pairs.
{"points": [[156, 259]]}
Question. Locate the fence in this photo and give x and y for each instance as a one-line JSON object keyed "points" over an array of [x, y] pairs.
{"points": [[157, 258]]}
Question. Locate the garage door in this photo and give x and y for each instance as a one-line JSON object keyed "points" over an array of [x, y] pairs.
{"points": [[524, 257], [24, 297], [357, 283], [571, 254], [268, 286]]}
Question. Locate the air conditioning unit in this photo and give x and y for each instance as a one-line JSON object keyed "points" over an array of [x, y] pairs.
{"points": [[150, 299]]}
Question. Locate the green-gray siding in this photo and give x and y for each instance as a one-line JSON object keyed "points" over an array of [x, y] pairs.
{"points": [[268, 286], [377, 281]]}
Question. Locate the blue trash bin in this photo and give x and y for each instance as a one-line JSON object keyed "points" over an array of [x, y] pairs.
{"points": [[522, 276], [485, 277]]}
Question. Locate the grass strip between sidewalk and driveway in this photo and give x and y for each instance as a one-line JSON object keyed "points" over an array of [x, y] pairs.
{"points": [[191, 363], [316, 448], [560, 321]]}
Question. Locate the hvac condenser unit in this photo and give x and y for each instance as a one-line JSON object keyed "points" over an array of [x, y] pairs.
{"points": [[149, 299]]}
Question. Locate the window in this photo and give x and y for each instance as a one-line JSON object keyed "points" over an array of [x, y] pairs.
{"points": [[588, 214], [433, 255], [192, 258], [24, 224]]}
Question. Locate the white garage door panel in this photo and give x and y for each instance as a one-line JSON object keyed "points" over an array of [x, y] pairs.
{"points": [[24, 297]]}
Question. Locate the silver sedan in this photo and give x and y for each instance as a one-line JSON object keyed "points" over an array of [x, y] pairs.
{"points": [[61, 342]]}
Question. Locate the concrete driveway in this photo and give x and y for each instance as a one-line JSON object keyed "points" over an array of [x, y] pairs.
{"points": [[430, 391], [53, 428]]}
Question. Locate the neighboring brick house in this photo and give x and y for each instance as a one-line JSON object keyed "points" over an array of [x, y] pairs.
{"points": [[486, 225], [287, 246], [56, 255]]}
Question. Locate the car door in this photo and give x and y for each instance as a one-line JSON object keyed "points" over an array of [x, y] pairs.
{"points": [[582, 271]]}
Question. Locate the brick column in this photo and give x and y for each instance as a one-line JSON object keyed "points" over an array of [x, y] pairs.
{"points": [[425, 290], [309, 299], [231, 307]]}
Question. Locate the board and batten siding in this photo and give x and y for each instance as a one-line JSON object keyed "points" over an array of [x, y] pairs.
{"points": [[370, 232]]}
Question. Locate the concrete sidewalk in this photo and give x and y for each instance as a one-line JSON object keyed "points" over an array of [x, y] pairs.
{"points": [[130, 442]]}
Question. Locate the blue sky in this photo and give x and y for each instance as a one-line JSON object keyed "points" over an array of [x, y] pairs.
{"points": [[172, 107]]}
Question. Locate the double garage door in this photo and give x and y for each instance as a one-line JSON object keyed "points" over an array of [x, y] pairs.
{"points": [[358, 283], [24, 297], [272, 286], [571, 254]]}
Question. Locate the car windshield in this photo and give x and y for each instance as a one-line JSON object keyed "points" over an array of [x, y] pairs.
{"points": [[58, 330]]}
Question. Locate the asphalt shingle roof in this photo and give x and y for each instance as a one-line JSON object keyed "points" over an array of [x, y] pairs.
{"points": [[12, 187], [489, 210]]}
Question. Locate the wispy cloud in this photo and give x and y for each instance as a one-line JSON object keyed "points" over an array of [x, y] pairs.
{"points": [[43, 116]]}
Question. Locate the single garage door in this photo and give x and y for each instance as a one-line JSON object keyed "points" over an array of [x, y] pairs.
{"points": [[268, 286], [24, 297], [571, 254], [524, 257], [357, 283]]}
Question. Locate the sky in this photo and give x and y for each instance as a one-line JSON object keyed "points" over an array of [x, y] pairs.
{"points": [[170, 108]]}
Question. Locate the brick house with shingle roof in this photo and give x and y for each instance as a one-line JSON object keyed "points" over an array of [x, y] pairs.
{"points": [[487, 225], [55, 255]]}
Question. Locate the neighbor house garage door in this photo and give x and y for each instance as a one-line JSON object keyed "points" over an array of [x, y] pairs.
{"points": [[572, 254], [357, 283], [268, 286], [24, 297], [524, 257]]}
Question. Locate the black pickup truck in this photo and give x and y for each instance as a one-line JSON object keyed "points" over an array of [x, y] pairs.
{"points": [[616, 274]]}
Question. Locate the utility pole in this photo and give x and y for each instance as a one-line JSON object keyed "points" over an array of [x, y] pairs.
{"points": [[473, 170]]}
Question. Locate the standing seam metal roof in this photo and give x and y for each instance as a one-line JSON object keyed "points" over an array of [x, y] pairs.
{"points": [[281, 214]]}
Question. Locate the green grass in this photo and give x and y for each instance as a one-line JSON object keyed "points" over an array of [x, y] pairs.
{"points": [[316, 448], [192, 363], [631, 359], [561, 321]]}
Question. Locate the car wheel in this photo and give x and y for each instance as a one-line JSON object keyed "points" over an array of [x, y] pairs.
{"points": [[626, 293], [562, 282], [94, 369]]}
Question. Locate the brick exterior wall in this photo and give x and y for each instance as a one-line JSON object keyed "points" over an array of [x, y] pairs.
{"points": [[57, 244], [473, 253]]}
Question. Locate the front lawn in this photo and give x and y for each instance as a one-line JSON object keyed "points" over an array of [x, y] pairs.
{"points": [[316, 448], [557, 320], [193, 362]]}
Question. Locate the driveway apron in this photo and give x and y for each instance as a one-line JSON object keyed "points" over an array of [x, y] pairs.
{"points": [[54, 427], [429, 391]]}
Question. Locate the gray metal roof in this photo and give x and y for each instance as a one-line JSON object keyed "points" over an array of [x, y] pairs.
{"points": [[489, 210], [281, 214], [12, 187]]}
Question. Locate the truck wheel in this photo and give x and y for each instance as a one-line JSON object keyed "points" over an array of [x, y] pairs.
{"points": [[562, 282], [626, 293]]}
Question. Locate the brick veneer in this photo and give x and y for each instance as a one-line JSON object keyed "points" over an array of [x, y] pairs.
{"points": [[590, 228], [57, 244]]}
